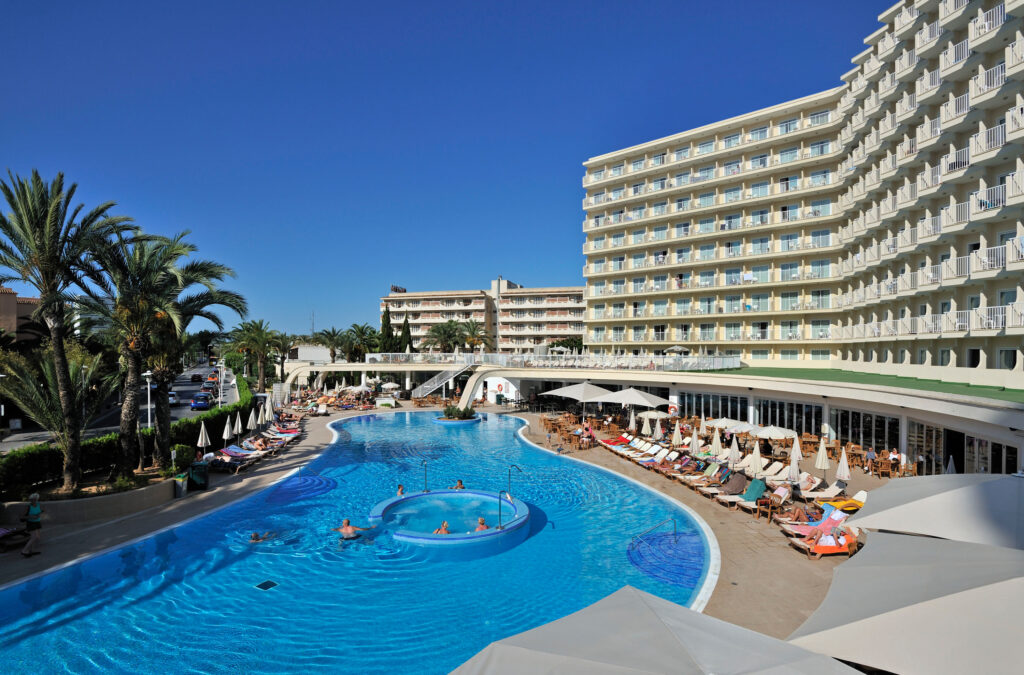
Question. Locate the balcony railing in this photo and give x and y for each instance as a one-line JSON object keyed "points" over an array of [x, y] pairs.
{"points": [[993, 78], [949, 6], [956, 160], [990, 139], [954, 54], [989, 198], [989, 21]]}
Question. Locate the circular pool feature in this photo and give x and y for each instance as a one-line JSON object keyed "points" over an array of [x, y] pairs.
{"points": [[457, 423], [413, 519]]}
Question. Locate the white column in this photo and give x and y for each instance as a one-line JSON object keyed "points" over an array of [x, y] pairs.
{"points": [[904, 428], [362, 377], [408, 380], [751, 409]]}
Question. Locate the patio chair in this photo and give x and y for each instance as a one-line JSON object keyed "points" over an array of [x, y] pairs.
{"points": [[753, 493], [828, 544]]}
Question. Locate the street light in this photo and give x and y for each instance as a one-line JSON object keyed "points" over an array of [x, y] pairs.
{"points": [[149, 407], [220, 374]]}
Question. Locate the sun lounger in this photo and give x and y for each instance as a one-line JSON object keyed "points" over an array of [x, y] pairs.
{"points": [[851, 505], [829, 544], [803, 529], [660, 455], [11, 537], [771, 471], [831, 492], [753, 493]]}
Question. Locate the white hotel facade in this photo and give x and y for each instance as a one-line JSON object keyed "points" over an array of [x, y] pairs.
{"points": [[876, 226]]}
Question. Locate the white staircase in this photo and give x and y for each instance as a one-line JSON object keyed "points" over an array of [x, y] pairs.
{"points": [[436, 381]]}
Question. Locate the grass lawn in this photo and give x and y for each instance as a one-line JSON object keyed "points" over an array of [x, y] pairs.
{"points": [[835, 375]]}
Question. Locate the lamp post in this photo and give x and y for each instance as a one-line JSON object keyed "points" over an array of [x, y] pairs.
{"points": [[220, 388], [149, 406]]}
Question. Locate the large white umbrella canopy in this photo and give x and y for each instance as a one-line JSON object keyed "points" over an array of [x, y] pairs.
{"points": [[390, 386], [724, 423], [924, 583], [252, 423], [632, 397], [654, 415], [694, 444], [677, 435], [794, 461], [204, 438], [646, 431], [774, 433], [658, 433], [359, 389], [734, 453], [756, 461], [674, 639], [584, 392], [741, 428], [228, 431], [821, 461], [843, 470], [262, 419], [703, 427], [632, 421], [238, 423], [973, 507]]}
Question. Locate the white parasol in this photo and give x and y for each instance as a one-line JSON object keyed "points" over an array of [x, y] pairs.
{"points": [[252, 424], [821, 461], [794, 461], [677, 435], [632, 421], [658, 433], [204, 438], [843, 470], [646, 430], [734, 453]]}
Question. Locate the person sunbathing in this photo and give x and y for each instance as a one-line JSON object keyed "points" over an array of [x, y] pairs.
{"points": [[799, 514]]}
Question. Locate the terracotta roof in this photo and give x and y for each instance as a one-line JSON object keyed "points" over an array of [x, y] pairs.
{"points": [[28, 301], [7, 291]]}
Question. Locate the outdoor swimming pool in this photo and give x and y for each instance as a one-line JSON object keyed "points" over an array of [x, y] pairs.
{"points": [[187, 599]]}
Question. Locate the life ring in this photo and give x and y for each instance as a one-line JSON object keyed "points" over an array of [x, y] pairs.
{"points": [[672, 410], [499, 388]]}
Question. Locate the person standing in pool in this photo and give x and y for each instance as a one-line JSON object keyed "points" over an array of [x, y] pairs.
{"points": [[33, 525], [348, 530], [401, 490], [481, 524], [443, 529], [458, 485]]}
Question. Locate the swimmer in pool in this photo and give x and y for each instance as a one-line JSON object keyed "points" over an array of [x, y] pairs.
{"points": [[257, 537], [348, 530], [443, 529], [401, 490], [458, 485], [481, 525]]}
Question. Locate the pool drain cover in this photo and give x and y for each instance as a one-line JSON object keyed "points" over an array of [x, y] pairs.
{"points": [[266, 585]]}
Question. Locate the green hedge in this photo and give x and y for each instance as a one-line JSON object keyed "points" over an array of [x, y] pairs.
{"points": [[22, 469]]}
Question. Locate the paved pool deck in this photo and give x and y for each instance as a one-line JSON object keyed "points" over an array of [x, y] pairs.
{"points": [[764, 584]]}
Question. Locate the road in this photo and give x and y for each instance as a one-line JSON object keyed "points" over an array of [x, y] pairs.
{"points": [[108, 421]]}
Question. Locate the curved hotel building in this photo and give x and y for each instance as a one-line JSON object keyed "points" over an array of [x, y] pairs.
{"points": [[873, 227]]}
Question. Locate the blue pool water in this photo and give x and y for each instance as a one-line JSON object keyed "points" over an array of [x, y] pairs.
{"points": [[425, 514], [186, 600]]}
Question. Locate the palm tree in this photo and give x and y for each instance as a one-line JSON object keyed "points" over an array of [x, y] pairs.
{"points": [[332, 338], [48, 243], [256, 339], [365, 339], [143, 307], [284, 343], [445, 336], [475, 335], [31, 384]]}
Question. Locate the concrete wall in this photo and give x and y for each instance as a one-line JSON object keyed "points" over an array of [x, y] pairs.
{"points": [[106, 507]]}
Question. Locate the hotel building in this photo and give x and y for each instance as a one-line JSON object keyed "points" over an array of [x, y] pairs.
{"points": [[876, 226], [517, 319]]}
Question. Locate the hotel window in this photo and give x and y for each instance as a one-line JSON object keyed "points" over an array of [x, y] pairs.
{"points": [[618, 310], [732, 194], [598, 311], [789, 212], [821, 269], [706, 225], [597, 244], [1007, 359], [682, 179], [618, 333], [659, 209], [821, 299], [636, 189], [683, 306], [789, 300], [683, 204], [618, 286], [820, 355], [638, 333], [661, 231], [638, 261], [789, 183], [760, 189], [598, 334], [707, 199], [660, 307], [707, 252], [707, 331], [759, 217], [598, 289], [733, 304], [658, 184], [758, 134], [759, 354], [707, 279], [706, 173], [618, 169], [637, 237], [682, 331], [682, 229], [789, 271], [789, 242], [705, 147], [733, 249], [618, 193], [733, 221], [732, 168], [732, 331], [683, 280], [636, 164], [616, 216], [638, 284], [821, 329], [597, 175], [788, 155], [733, 276], [681, 153], [760, 245], [819, 178], [760, 273], [944, 357], [658, 159], [787, 127], [789, 354], [759, 302], [819, 148], [821, 238], [822, 117], [758, 162], [789, 330], [731, 141], [706, 306], [598, 266], [618, 239]]}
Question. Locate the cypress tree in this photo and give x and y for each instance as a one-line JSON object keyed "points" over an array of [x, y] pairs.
{"points": [[387, 344], [405, 339]]}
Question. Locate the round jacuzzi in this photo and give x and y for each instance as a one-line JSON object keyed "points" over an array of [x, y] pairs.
{"points": [[413, 518], [457, 423]]}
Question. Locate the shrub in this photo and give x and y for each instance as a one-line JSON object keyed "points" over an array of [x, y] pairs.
{"points": [[454, 412]]}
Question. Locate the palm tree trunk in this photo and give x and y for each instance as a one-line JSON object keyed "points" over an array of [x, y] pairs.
{"points": [[162, 417], [261, 365], [70, 412], [129, 429], [282, 360]]}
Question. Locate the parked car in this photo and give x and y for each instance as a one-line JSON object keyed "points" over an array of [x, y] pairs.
{"points": [[200, 402], [172, 398], [196, 377]]}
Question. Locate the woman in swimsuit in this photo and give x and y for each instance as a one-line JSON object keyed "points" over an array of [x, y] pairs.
{"points": [[481, 524], [443, 529], [33, 524]]}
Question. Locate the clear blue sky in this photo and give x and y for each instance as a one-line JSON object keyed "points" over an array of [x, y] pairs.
{"points": [[326, 150]]}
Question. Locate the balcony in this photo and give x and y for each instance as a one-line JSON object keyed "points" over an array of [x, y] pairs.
{"points": [[988, 140], [952, 112], [986, 82], [954, 55], [987, 201], [988, 23]]}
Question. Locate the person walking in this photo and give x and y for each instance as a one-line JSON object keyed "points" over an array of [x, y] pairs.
{"points": [[33, 525]]}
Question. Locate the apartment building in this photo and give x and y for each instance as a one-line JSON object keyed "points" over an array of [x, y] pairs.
{"points": [[16, 314], [533, 317], [874, 226], [516, 318]]}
